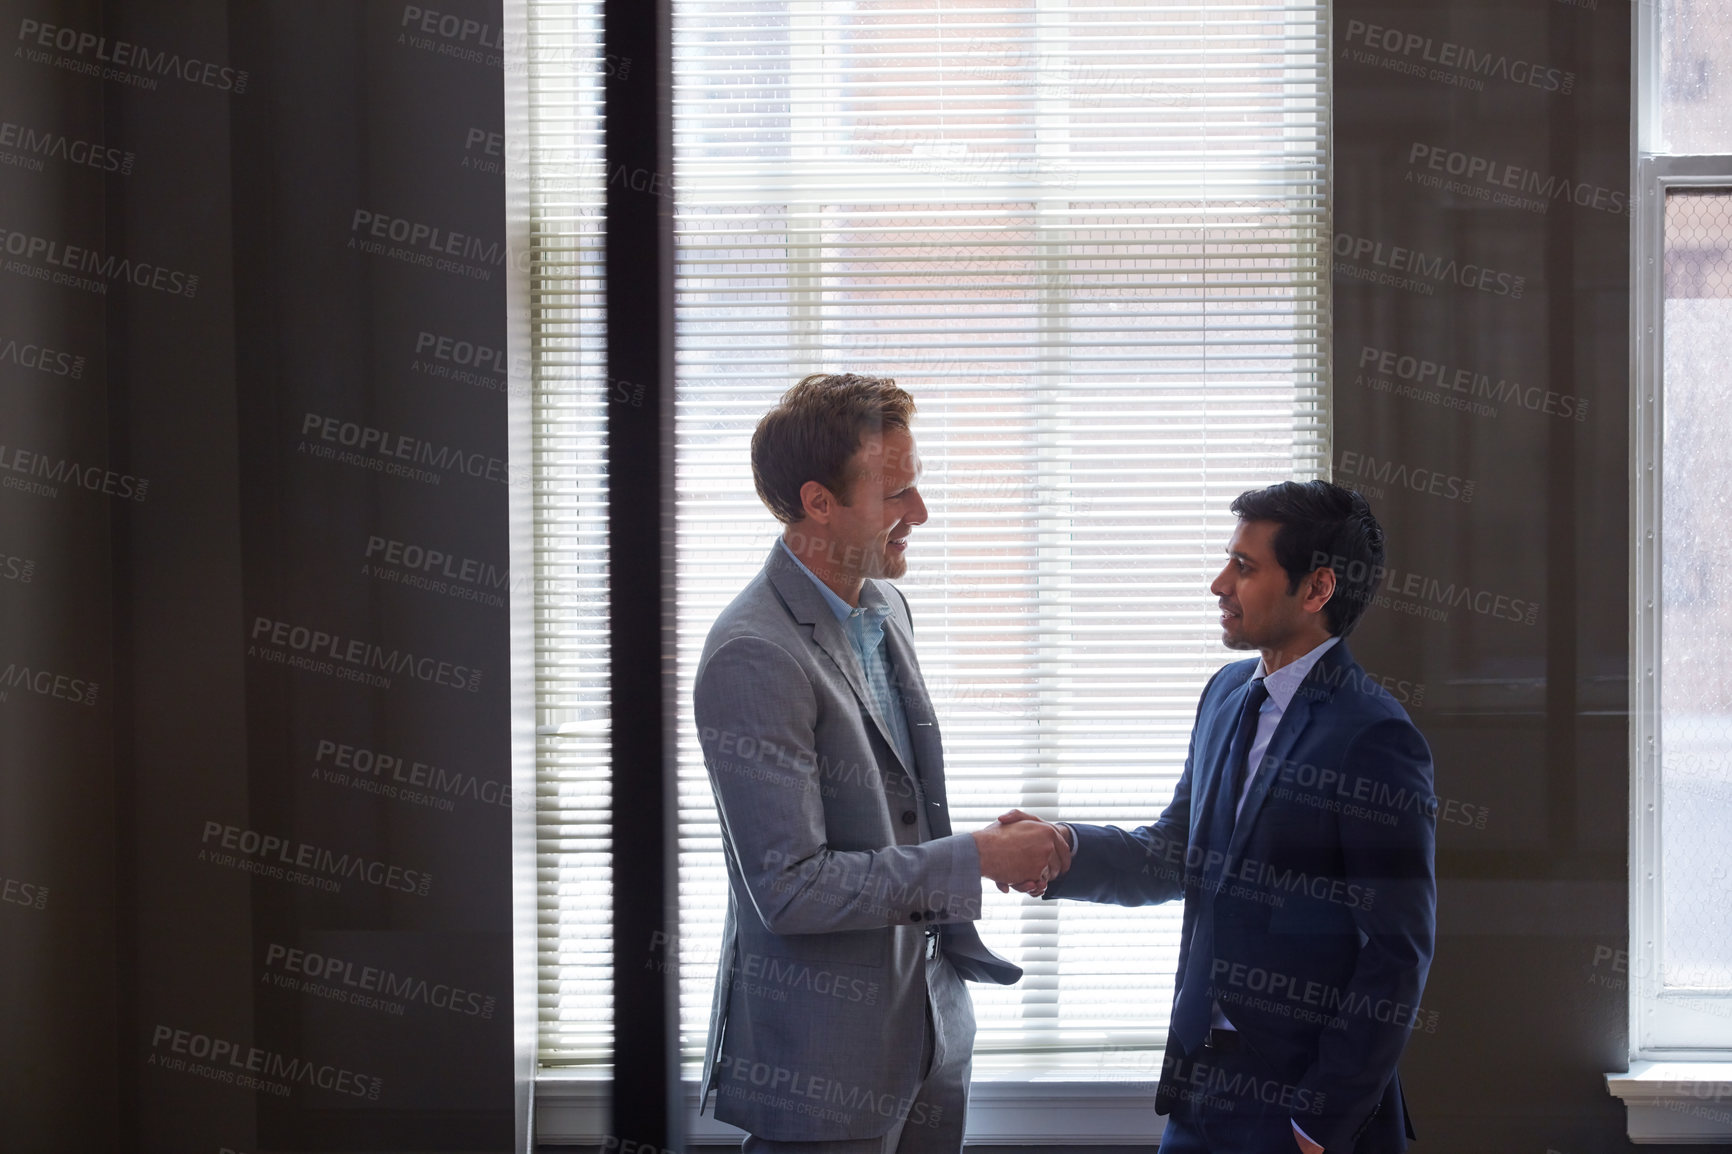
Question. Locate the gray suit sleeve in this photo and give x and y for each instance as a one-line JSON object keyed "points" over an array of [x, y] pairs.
{"points": [[757, 717]]}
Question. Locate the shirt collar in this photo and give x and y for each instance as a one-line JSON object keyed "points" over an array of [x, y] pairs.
{"points": [[839, 607], [1285, 681]]}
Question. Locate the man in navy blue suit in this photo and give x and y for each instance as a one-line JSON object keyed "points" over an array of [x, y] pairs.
{"points": [[1301, 838]]}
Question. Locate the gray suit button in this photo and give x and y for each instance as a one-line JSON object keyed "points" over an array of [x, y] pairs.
{"points": [[908, 817]]}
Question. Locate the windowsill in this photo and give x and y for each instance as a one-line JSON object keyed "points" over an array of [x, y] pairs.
{"points": [[1676, 1101], [1028, 1108]]}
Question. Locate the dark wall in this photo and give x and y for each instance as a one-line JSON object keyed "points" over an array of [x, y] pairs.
{"points": [[254, 753], [59, 701], [1482, 157], [176, 505]]}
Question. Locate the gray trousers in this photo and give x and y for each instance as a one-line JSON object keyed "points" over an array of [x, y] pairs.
{"points": [[938, 1115]]}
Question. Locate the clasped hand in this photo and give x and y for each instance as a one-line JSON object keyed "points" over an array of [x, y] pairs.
{"points": [[1020, 851]]}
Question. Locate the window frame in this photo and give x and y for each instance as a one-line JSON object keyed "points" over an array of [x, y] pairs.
{"points": [[1026, 1106], [1665, 1085], [571, 1107], [1650, 1013]]}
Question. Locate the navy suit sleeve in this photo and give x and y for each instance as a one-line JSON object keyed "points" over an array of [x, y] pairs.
{"points": [[1131, 867], [1136, 867], [1357, 1051]]}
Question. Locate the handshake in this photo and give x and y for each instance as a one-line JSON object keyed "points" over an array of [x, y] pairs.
{"points": [[1020, 851]]}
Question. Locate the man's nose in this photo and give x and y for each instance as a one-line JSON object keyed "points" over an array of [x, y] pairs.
{"points": [[917, 512]]}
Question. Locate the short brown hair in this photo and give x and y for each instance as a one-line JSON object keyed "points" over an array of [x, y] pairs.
{"points": [[815, 430]]}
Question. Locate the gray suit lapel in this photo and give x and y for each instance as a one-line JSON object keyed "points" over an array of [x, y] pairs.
{"points": [[922, 734], [809, 608], [917, 709]]}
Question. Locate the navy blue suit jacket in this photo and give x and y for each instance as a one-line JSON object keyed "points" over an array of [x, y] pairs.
{"points": [[1325, 907]]}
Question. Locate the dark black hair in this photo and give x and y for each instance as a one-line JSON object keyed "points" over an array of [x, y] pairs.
{"points": [[1322, 526]]}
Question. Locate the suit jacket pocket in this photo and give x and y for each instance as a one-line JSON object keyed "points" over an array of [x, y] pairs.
{"points": [[1302, 913]]}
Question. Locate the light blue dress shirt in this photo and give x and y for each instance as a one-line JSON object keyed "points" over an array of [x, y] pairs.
{"points": [[865, 629], [1282, 685]]}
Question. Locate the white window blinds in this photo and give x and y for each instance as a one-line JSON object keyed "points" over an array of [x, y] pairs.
{"points": [[562, 161], [1092, 241]]}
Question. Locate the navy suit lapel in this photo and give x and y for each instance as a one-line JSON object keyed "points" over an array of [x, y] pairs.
{"points": [[1293, 723], [1313, 693], [1218, 743]]}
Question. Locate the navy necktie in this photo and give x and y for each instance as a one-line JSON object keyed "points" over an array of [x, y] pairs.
{"points": [[1240, 754], [1196, 994]]}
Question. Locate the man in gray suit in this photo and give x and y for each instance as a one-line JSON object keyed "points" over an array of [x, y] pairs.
{"points": [[840, 1022]]}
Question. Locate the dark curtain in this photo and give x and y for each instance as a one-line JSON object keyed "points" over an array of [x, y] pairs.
{"points": [[253, 660]]}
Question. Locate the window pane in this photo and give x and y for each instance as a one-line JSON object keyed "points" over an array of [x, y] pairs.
{"points": [[1092, 239], [1696, 76], [574, 862], [1696, 582], [1088, 239]]}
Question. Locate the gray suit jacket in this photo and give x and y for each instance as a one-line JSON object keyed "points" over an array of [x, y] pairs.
{"points": [[820, 1006]]}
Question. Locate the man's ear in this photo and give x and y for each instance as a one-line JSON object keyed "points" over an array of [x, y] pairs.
{"points": [[1319, 588], [818, 502]]}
